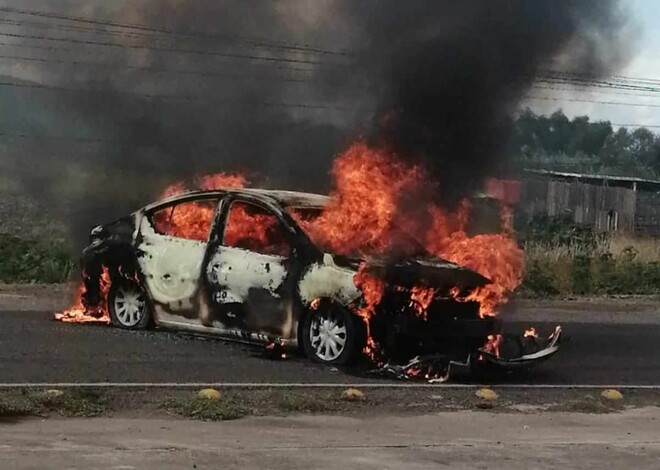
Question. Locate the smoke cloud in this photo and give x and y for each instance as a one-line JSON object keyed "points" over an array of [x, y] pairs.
{"points": [[276, 89]]}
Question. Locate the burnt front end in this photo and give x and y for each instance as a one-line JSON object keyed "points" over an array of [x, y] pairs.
{"points": [[110, 255], [441, 326]]}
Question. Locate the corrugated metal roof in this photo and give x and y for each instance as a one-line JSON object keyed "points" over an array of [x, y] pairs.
{"points": [[605, 178]]}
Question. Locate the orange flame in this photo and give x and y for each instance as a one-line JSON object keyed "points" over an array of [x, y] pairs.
{"points": [[493, 344], [77, 313], [382, 206], [420, 300], [531, 333], [372, 293]]}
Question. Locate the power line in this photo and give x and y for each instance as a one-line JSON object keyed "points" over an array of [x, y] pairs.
{"points": [[578, 100], [179, 98], [605, 92], [151, 37], [230, 55], [116, 66], [615, 124], [278, 78], [586, 77], [583, 82], [208, 36], [49, 48], [262, 103]]}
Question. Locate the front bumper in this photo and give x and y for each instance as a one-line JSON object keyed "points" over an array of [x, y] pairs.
{"points": [[544, 351], [437, 368]]}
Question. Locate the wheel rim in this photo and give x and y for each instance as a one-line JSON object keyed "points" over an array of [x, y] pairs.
{"points": [[328, 335], [129, 306]]}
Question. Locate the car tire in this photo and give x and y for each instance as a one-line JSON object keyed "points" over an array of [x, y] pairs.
{"points": [[331, 334], [129, 306]]}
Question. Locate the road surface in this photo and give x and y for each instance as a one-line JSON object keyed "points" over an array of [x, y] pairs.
{"points": [[36, 349]]}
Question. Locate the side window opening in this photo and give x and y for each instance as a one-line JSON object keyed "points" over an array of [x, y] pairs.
{"points": [[161, 219], [190, 220], [252, 228]]}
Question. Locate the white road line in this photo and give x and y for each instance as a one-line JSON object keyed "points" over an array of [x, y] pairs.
{"points": [[319, 385]]}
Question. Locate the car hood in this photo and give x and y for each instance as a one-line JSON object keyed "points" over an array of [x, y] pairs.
{"points": [[410, 272]]}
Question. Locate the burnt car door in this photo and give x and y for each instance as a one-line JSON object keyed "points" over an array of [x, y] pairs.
{"points": [[249, 271], [173, 241]]}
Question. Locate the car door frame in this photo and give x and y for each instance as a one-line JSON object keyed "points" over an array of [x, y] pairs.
{"points": [[186, 318], [292, 276]]}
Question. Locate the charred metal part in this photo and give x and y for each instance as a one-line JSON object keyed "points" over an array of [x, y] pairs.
{"points": [[431, 272], [434, 369], [256, 294], [275, 351], [437, 368], [530, 351], [110, 247]]}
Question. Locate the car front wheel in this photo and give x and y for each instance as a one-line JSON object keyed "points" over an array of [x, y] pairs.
{"points": [[128, 306], [331, 335]]}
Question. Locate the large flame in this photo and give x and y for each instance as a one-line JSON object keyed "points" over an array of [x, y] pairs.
{"points": [[380, 206]]}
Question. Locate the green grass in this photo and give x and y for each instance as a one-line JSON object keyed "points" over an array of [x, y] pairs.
{"points": [[204, 409], [12, 410], [297, 402], [72, 403], [550, 273], [24, 261]]}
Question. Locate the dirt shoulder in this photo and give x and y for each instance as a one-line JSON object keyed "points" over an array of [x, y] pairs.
{"points": [[620, 309], [462, 439], [35, 297]]}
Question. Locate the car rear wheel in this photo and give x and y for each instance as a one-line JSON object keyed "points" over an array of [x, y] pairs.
{"points": [[331, 335], [128, 305]]}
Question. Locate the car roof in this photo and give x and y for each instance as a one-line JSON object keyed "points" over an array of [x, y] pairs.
{"points": [[284, 198]]}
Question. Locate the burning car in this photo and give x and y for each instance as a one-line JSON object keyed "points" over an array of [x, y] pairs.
{"points": [[243, 264]]}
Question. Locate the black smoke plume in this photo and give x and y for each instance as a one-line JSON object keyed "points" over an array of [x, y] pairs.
{"points": [[277, 88], [451, 74]]}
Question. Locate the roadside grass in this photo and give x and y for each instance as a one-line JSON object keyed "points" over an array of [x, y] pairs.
{"points": [[255, 403], [78, 403], [589, 404], [563, 259], [74, 403], [26, 261], [204, 409], [235, 404], [291, 401], [605, 266], [12, 410]]}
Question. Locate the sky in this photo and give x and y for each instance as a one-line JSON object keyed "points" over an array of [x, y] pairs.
{"points": [[644, 63]]}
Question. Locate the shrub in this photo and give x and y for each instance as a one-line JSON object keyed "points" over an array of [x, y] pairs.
{"points": [[29, 261]]}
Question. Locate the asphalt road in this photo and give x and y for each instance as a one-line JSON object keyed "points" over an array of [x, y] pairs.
{"points": [[35, 348]]}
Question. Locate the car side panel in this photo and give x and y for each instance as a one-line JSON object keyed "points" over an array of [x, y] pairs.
{"points": [[250, 291]]}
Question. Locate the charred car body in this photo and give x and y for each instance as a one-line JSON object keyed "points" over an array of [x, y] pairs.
{"points": [[238, 264]]}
